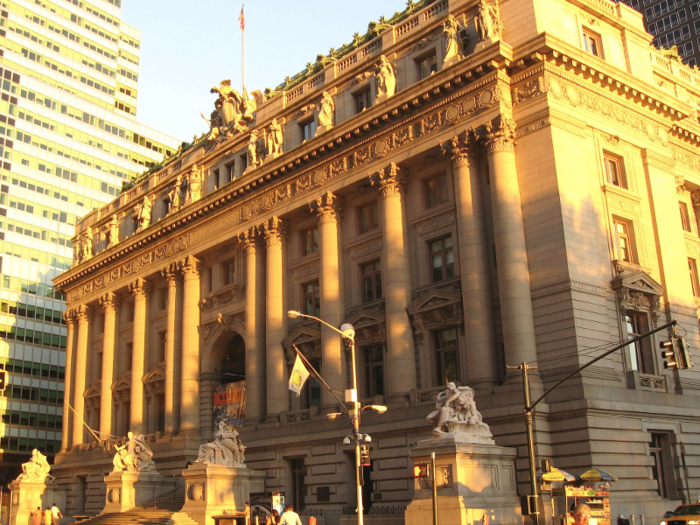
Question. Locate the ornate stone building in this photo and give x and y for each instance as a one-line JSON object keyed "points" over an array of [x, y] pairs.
{"points": [[487, 185]]}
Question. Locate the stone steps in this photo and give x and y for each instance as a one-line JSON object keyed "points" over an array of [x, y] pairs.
{"points": [[181, 518], [172, 501]]}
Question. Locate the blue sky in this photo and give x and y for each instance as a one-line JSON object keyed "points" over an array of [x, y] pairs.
{"points": [[188, 47]]}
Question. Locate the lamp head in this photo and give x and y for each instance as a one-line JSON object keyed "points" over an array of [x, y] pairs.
{"points": [[346, 440], [379, 409], [333, 415], [293, 314], [348, 330], [367, 438]]}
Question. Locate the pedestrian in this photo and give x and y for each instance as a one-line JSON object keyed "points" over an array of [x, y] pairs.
{"points": [[582, 514], [55, 514], [292, 518], [273, 518], [247, 513], [47, 516], [36, 516]]}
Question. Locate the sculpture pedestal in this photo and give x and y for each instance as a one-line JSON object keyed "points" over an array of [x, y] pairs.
{"points": [[126, 490], [28, 495], [214, 490], [473, 479], [322, 129]]}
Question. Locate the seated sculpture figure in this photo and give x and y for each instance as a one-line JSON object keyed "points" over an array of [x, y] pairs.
{"points": [[134, 456], [226, 449], [455, 413], [36, 469]]}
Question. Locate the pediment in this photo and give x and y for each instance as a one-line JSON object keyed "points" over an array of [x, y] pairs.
{"points": [[123, 382], [434, 299], [153, 375], [94, 390], [302, 334], [638, 281], [362, 318]]}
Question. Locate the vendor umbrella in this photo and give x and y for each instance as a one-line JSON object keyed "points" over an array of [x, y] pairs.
{"points": [[596, 474], [556, 475]]}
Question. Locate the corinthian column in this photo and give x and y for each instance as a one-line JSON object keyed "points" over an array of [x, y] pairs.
{"points": [[81, 315], [511, 249], [254, 326], [171, 415], [69, 318], [473, 262], [138, 363], [275, 370], [189, 409], [401, 363], [109, 303], [327, 210]]}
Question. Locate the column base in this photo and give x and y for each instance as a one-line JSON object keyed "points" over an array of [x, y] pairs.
{"points": [[28, 495], [126, 490]]}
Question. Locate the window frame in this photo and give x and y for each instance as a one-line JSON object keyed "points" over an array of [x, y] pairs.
{"points": [[371, 371], [442, 190], [609, 160], [310, 125], [366, 94], [588, 36], [306, 248], [441, 349], [629, 245], [641, 355], [228, 272], [442, 252], [314, 294], [374, 277], [433, 68], [373, 217], [693, 271], [685, 216]]}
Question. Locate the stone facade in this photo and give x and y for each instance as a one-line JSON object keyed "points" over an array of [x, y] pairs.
{"points": [[519, 205]]}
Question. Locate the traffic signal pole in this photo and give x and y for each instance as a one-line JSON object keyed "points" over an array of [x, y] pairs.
{"points": [[529, 410]]}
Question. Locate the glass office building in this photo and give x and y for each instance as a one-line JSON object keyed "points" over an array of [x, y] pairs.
{"points": [[68, 140]]}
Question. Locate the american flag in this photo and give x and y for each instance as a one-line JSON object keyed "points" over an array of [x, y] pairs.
{"points": [[242, 18]]}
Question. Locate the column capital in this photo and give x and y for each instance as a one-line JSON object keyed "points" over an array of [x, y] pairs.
{"points": [[190, 265], [69, 318], [390, 180], [463, 146], [170, 273], [695, 198], [272, 231], [249, 239], [110, 302], [81, 313], [327, 207], [501, 136], [139, 288]]}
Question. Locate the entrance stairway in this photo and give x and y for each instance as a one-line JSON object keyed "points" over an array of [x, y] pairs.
{"points": [[164, 510]]}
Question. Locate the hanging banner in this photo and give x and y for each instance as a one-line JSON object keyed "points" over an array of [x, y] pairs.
{"points": [[229, 404], [298, 377]]}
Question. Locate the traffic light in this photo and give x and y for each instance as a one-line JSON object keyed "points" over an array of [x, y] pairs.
{"points": [[364, 456], [3, 380], [669, 353], [420, 470], [683, 354]]}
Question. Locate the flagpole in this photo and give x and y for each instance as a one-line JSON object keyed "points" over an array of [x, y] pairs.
{"points": [[318, 376], [242, 49]]}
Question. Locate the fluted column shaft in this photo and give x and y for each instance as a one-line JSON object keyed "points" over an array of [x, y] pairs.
{"points": [[254, 328], [109, 304], [401, 362], [138, 359], [171, 416], [189, 409], [69, 318], [332, 304], [477, 297], [511, 249], [80, 375], [277, 397]]}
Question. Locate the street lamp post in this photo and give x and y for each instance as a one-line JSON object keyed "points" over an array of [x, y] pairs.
{"points": [[347, 331]]}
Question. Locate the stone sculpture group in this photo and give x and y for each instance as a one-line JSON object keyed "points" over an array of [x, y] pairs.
{"points": [[226, 449], [36, 470], [134, 456], [456, 414]]}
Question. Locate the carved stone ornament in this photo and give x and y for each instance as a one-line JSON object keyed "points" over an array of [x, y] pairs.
{"points": [[326, 207], [226, 448], [680, 183], [455, 416], [695, 198], [460, 147], [369, 324], [501, 136], [307, 339], [435, 309], [36, 470], [385, 73], [638, 292], [134, 456], [390, 180], [487, 21]]}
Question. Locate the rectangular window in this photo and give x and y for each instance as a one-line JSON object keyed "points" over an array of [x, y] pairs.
{"points": [[641, 358], [312, 299], [442, 259], [308, 130], [162, 298], [371, 281], [446, 356], [592, 43], [162, 337], [685, 215], [662, 464], [436, 191], [368, 219], [615, 170], [624, 241], [362, 100], [309, 241], [229, 268], [374, 370], [427, 66], [693, 269]]}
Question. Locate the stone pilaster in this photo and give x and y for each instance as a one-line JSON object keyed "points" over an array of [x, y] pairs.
{"points": [[69, 318], [138, 289], [81, 315], [401, 360], [189, 408], [254, 327], [327, 209], [172, 416], [110, 304], [277, 396], [511, 250], [473, 261]]}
